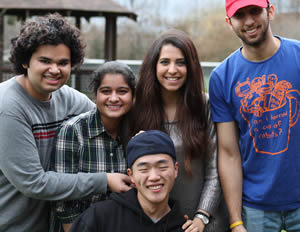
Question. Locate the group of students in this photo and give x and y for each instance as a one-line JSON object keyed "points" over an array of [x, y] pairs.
{"points": [[149, 151]]}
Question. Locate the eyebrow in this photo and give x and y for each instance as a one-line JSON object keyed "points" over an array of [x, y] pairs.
{"points": [[61, 60], [104, 87], [109, 87], [162, 161], [166, 58], [44, 57]]}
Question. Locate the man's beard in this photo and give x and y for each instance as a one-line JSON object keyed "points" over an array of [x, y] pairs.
{"points": [[259, 41]]}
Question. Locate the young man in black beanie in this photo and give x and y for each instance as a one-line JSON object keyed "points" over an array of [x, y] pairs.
{"points": [[153, 170]]}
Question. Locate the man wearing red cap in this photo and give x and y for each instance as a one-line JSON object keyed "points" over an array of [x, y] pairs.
{"points": [[255, 96]]}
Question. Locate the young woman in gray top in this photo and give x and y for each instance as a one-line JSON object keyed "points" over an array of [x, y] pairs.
{"points": [[170, 97]]}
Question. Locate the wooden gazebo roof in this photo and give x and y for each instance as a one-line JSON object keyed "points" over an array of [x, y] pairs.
{"points": [[74, 8], [82, 8]]}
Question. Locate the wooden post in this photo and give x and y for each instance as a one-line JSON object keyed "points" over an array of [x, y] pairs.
{"points": [[77, 71], [1, 43], [110, 38]]}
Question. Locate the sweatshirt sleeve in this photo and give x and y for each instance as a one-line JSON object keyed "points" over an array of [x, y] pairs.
{"points": [[211, 194], [21, 166]]}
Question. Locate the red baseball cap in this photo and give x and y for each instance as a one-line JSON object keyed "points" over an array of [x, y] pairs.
{"points": [[233, 5]]}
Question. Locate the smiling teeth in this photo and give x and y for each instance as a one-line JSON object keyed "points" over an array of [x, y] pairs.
{"points": [[155, 187], [172, 79], [251, 31], [115, 107], [51, 78]]}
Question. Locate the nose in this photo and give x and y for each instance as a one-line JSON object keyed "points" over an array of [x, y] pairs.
{"points": [[114, 97], [249, 19], [54, 69], [154, 175], [172, 68]]}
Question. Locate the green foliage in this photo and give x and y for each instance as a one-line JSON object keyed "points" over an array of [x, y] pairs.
{"points": [[96, 50], [95, 42], [11, 20]]}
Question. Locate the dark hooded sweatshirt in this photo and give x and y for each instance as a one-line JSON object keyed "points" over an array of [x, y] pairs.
{"points": [[123, 213]]}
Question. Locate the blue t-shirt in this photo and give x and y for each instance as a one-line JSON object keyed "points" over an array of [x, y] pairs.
{"points": [[263, 98]]}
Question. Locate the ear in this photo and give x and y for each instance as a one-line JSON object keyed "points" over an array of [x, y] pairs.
{"points": [[228, 22], [176, 165], [25, 66], [130, 174], [271, 12]]}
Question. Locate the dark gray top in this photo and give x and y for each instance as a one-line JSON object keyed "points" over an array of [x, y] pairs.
{"points": [[203, 190]]}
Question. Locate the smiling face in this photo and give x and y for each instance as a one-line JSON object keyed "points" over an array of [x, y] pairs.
{"points": [[114, 98], [154, 177], [49, 68], [171, 70], [251, 24]]}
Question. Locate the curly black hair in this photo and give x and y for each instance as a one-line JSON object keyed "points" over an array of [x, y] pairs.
{"points": [[51, 29]]}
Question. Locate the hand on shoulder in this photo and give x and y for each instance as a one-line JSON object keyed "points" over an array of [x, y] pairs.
{"points": [[118, 182]]}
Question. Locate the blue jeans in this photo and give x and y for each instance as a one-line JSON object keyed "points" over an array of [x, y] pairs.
{"points": [[256, 220]]}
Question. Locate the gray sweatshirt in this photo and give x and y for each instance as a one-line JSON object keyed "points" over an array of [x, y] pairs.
{"points": [[27, 130]]}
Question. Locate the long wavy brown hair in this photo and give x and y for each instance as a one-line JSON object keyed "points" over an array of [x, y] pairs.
{"points": [[148, 111]]}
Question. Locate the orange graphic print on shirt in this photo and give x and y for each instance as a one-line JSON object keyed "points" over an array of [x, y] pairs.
{"points": [[271, 109]]}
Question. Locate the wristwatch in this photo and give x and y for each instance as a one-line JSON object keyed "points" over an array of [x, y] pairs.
{"points": [[203, 217]]}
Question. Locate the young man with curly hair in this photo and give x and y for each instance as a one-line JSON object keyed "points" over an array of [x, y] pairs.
{"points": [[32, 106]]}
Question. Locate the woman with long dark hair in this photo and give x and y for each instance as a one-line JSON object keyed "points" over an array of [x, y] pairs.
{"points": [[170, 97]]}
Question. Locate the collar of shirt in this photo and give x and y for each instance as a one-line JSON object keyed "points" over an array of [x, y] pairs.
{"points": [[95, 126]]}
